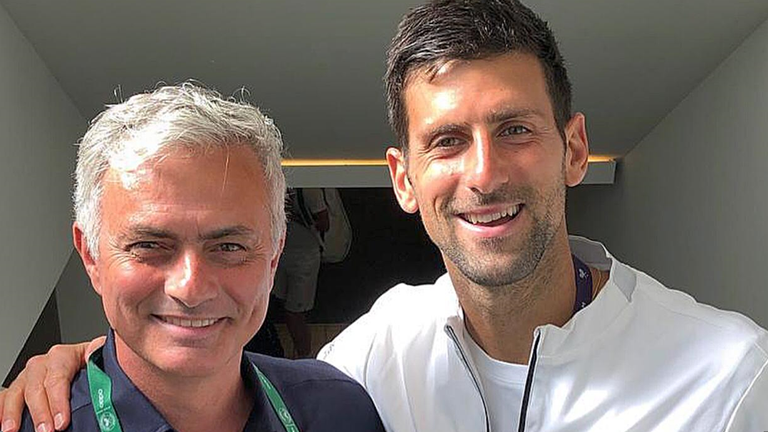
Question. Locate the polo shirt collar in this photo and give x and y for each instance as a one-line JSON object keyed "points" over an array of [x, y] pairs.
{"points": [[137, 413], [263, 417]]}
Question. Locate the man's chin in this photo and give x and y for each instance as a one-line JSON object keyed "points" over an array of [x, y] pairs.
{"points": [[496, 278], [189, 366], [493, 270], [188, 361]]}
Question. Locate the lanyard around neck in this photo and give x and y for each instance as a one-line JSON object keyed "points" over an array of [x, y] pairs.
{"points": [[100, 387], [277, 402], [583, 284]]}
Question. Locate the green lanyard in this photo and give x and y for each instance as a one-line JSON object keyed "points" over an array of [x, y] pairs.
{"points": [[100, 386], [277, 402]]}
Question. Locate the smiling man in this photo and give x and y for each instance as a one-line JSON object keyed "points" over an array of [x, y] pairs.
{"points": [[180, 224], [530, 329]]}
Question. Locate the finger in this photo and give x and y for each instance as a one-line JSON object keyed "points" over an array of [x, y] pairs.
{"points": [[13, 404], [39, 409], [33, 389], [2, 402], [93, 346], [6, 420], [63, 363]]}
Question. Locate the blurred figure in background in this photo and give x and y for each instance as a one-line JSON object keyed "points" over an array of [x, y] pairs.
{"points": [[296, 278]]}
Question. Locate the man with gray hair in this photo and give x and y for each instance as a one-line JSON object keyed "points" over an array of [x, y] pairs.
{"points": [[180, 221]]}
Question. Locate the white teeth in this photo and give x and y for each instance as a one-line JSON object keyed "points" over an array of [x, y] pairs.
{"points": [[189, 323], [490, 217]]}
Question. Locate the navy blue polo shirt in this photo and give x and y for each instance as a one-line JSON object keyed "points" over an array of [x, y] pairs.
{"points": [[319, 397]]}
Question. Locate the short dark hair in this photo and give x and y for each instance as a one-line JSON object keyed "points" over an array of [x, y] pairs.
{"points": [[443, 30]]}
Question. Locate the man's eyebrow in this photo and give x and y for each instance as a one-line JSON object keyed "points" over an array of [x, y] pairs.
{"points": [[494, 117], [445, 129], [147, 231], [512, 113], [237, 230], [141, 231]]}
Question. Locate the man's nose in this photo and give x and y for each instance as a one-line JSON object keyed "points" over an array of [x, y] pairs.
{"points": [[485, 170], [189, 282]]}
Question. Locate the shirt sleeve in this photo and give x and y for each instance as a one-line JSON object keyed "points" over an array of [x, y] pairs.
{"points": [[350, 351], [358, 349], [752, 411]]}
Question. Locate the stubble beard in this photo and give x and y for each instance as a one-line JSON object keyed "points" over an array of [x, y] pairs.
{"points": [[491, 263]]}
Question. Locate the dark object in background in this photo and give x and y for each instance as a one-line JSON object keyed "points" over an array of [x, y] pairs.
{"points": [[389, 247]]}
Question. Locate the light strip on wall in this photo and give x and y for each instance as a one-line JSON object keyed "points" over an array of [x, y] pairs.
{"points": [[601, 158], [379, 162]]}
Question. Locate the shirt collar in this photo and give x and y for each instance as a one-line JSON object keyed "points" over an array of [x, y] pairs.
{"points": [[263, 417], [137, 413], [586, 326], [582, 329]]}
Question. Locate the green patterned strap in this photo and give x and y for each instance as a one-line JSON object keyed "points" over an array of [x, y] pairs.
{"points": [[100, 387], [277, 402]]}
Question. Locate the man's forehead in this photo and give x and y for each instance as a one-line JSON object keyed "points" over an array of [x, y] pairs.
{"points": [[437, 88], [226, 184], [434, 72], [137, 161]]}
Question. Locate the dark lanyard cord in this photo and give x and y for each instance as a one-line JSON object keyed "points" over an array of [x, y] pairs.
{"points": [[584, 293], [583, 284]]}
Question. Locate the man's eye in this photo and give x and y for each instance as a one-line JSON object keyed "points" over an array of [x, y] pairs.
{"points": [[229, 254], [448, 142], [147, 250], [515, 130], [230, 247], [144, 245]]}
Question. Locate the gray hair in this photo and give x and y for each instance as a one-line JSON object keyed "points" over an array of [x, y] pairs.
{"points": [[183, 116]]}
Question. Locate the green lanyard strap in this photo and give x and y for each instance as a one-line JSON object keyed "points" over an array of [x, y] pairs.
{"points": [[277, 402], [100, 387]]}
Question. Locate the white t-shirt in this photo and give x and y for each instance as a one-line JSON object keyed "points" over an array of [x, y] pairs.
{"points": [[503, 388]]}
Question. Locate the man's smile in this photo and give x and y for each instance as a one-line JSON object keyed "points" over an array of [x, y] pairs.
{"points": [[491, 222], [491, 217], [188, 322]]}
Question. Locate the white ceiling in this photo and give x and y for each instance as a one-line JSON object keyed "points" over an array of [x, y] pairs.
{"points": [[316, 65]]}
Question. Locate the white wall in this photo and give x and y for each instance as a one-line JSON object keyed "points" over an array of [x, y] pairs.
{"points": [[38, 125], [690, 205]]}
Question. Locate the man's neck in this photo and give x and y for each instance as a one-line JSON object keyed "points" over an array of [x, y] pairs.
{"points": [[502, 319], [191, 404]]}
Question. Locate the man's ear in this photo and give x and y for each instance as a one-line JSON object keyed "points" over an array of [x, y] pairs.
{"points": [[275, 261], [276, 258], [576, 150], [400, 182], [81, 244]]}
